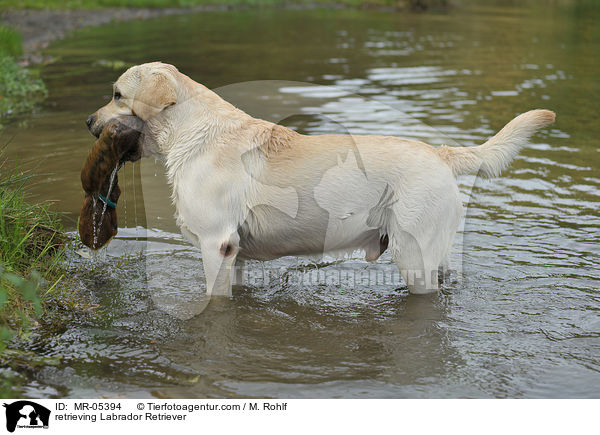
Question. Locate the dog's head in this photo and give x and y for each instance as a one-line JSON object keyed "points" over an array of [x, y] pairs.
{"points": [[143, 91]]}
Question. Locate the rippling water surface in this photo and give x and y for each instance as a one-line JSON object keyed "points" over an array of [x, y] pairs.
{"points": [[518, 317]]}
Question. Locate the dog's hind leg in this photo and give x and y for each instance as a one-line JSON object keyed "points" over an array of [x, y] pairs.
{"points": [[420, 242], [419, 260], [417, 266], [238, 273]]}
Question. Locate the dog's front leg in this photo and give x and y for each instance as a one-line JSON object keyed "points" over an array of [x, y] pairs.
{"points": [[238, 274], [218, 258]]}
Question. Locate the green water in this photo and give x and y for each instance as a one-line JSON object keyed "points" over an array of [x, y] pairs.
{"points": [[519, 317]]}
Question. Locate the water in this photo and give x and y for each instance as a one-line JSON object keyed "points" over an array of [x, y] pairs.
{"points": [[521, 319]]}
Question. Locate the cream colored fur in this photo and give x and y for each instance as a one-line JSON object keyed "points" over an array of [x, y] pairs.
{"points": [[245, 188]]}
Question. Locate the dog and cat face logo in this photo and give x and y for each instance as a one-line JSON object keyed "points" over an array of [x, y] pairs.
{"points": [[25, 414]]}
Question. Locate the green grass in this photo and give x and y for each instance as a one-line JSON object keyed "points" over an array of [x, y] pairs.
{"points": [[10, 42], [20, 88], [32, 248]]}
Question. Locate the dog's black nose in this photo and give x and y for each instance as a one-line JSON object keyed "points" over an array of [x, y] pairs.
{"points": [[90, 121]]}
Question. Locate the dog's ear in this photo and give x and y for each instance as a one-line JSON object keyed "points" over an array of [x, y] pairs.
{"points": [[155, 93]]}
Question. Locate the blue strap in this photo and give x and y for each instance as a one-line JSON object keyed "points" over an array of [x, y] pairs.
{"points": [[107, 201]]}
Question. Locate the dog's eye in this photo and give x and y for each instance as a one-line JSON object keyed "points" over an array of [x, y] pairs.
{"points": [[117, 95]]}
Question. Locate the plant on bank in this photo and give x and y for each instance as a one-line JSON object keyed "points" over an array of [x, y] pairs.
{"points": [[20, 88], [31, 253]]}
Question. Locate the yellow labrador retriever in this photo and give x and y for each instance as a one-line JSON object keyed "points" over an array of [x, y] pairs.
{"points": [[245, 188]]}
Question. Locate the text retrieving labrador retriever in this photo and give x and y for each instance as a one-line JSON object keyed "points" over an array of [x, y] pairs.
{"points": [[245, 188]]}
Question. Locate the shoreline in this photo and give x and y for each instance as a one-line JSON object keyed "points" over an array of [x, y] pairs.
{"points": [[40, 27]]}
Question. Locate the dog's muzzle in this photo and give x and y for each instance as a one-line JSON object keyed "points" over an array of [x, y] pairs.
{"points": [[91, 125]]}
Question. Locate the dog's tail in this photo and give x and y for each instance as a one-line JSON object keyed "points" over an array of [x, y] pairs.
{"points": [[491, 158]]}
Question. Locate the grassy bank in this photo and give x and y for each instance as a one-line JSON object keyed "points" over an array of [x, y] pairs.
{"points": [[36, 289], [32, 248], [31, 240], [20, 88]]}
